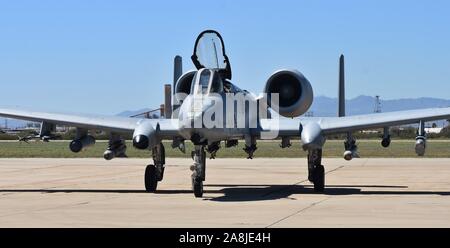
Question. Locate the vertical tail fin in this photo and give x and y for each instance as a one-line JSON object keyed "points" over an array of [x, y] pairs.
{"points": [[351, 148], [168, 101], [177, 72], [341, 94]]}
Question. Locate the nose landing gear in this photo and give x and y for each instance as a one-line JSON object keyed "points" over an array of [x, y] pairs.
{"points": [[198, 170]]}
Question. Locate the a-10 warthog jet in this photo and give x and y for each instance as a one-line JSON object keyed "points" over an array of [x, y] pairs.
{"points": [[208, 109]]}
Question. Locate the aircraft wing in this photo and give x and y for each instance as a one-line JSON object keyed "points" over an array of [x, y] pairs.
{"points": [[167, 127], [331, 125], [378, 120]]}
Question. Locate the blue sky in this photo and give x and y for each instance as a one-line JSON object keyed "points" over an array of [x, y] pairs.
{"points": [[107, 56]]}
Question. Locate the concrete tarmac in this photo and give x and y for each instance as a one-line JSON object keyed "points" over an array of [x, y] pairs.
{"points": [[238, 193]]}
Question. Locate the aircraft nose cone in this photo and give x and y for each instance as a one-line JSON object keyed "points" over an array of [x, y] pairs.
{"points": [[141, 142]]}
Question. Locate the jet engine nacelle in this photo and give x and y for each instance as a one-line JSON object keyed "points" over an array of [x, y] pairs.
{"points": [[295, 92], [183, 85], [421, 143], [145, 135], [79, 144]]}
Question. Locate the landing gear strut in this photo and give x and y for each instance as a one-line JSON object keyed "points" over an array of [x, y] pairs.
{"points": [[198, 170], [155, 172], [316, 171], [250, 146]]}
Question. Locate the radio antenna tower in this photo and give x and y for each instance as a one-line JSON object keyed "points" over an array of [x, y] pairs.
{"points": [[377, 108]]}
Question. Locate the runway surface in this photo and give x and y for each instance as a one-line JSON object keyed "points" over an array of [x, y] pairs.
{"points": [[238, 193]]}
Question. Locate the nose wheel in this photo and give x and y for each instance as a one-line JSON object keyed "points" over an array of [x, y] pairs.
{"points": [[198, 170]]}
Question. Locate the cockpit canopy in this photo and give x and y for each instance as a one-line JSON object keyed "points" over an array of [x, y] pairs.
{"points": [[209, 53], [206, 81]]}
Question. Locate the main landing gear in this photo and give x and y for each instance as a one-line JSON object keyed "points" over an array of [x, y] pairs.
{"points": [[198, 170], [155, 172], [316, 171]]}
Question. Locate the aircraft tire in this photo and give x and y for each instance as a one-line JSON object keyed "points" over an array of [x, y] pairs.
{"points": [[319, 178], [197, 187], [161, 176], [151, 180]]}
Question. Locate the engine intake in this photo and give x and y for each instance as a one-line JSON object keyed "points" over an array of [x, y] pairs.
{"points": [[295, 92], [183, 85]]}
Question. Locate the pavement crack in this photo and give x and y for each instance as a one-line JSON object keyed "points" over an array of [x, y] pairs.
{"points": [[365, 162], [300, 182], [94, 176], [63, 206], [297, 212], [305, 208]]}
